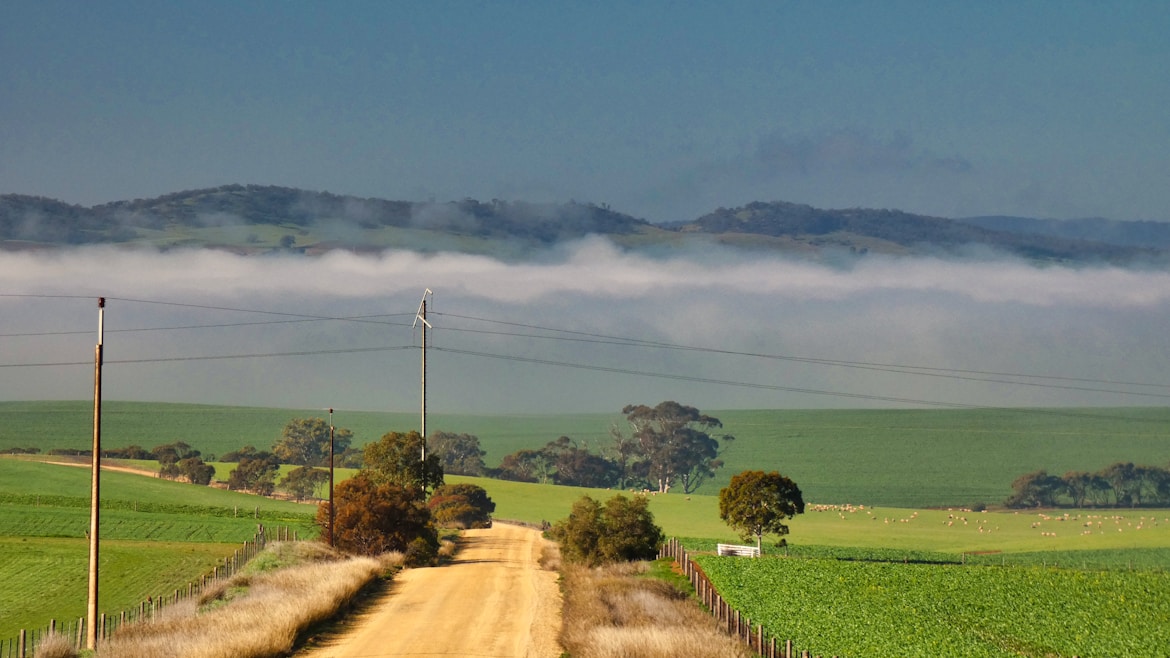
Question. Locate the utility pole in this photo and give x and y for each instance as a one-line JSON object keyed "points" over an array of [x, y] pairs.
{"points": [[95, 461], [330, 477], [421, 317]]}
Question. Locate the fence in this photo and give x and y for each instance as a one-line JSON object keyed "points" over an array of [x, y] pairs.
{"points": [[24, 645], [729, 619]]}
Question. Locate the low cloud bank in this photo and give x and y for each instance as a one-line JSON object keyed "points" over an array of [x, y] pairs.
{"points": [[1101, 325]]}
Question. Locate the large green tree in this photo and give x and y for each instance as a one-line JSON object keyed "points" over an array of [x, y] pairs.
{"points": [[305, 442], [397, 459], [1036, 489], [675, 444], [303, 482], [756, 503], [256, 473], [460, 453]]}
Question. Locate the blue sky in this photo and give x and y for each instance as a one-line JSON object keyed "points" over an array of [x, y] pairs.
{"points": [[663, 110]]}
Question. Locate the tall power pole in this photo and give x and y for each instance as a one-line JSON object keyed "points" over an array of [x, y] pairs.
{"points": [[420, 317], [95, 478], [331, 545]]}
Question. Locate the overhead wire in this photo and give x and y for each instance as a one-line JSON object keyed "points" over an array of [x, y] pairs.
{"points": [[924, 371], [561, 334]]}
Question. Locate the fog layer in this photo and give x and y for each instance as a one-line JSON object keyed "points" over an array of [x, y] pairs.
{"points": [[544, 336]]}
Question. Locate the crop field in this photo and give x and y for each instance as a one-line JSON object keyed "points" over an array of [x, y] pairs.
{"points": [[858, 608], [46, 578], [902, 458], [156, 535]]}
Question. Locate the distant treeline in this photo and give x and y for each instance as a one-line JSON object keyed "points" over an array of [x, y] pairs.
{"points": [[1122, 484]]}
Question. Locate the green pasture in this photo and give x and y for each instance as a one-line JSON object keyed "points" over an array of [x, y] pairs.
{"points": [[953, 532], [46, 578], [156, 535], [861, 608], [33, 477], [903, 458]]}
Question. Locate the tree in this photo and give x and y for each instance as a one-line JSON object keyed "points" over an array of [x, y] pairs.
{"points": [[172, 453], [624, 454], [628, 530], [196, 470], [577, 467], [1035, 489], [621, 530], [372, 518], [525, 466], [396, 458], [256, 474], [757, 503], [579, 533], [302, 482], [129, 452], [674, 444], [462, 505], [1079, 485], [1125, 480], [460, 454], [305, 441], [237, 455]]}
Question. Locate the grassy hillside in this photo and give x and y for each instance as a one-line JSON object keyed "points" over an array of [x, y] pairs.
{"points": [[907, 458]]}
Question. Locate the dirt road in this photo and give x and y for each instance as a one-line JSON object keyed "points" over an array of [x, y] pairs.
{"points": [[494, 601]]}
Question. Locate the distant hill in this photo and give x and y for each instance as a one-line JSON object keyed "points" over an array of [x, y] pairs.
{"points": [[1147, 234], [261, 219], [894, 231]]}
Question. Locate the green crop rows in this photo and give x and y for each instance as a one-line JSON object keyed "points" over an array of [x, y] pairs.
{"points": [[856, 608]]}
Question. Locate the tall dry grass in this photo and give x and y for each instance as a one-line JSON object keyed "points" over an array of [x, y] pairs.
{"points": [[55, 645], [615, 612], [256, 614]]}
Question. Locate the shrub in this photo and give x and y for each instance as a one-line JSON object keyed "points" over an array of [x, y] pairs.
{"points": [[620, 531], [462, 506], [374, 518]]}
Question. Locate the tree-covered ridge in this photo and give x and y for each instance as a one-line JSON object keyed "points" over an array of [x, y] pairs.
{"points": [[260, 218], [42, 220], [907, 230]]}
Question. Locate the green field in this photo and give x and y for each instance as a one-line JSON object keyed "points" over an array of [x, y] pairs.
{"points": [[859, 608], [156, 535], [905, 458], [877, 471], [46, 578]]}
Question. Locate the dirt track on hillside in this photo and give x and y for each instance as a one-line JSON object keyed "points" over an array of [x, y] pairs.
{"points": [[493, 601]]}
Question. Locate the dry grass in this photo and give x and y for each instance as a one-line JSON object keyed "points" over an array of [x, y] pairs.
{"points": [[56, 646], [255, 614], [613, 612]]}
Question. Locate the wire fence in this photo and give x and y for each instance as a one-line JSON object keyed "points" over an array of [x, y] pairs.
{"points": [[24, 645]]}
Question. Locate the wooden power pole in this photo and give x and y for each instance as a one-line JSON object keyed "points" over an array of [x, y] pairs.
{"points": [[91, 630]]}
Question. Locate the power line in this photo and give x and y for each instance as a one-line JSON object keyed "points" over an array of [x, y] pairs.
{"points": [[924, 371], [215, 357], [355, 318], [769, 387]]}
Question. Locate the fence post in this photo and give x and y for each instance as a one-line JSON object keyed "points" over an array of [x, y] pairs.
{"points": [[21, 643]]}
